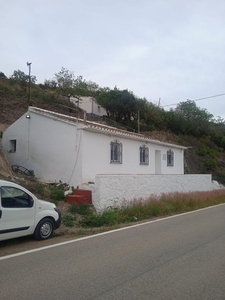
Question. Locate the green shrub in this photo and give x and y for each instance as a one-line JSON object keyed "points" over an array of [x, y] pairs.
{"points": [[40, 188], [84, 209], [91, 221], [213, 153], [107, 218], [202, 151], [206, 151], [211, 165], [47, 98], [68, 220], [57, 192], [73, 209]]}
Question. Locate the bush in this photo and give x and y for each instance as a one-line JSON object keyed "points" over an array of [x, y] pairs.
{"points": [[73, 209], [84, 209], [107, 218], [202, 151], [57, 192], [40, 188], [211, 165], [68, 220]]}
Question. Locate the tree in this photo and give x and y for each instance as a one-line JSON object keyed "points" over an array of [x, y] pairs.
{"points": [[65, 80], [81, 87], [71, 85], [120, 105], [174, 122], [51, 84], [194, 120], [190, 111], [152, 115], [21, 76], [2, 75]]}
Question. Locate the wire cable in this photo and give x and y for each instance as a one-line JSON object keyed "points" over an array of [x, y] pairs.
{"points": [[199, 99]]}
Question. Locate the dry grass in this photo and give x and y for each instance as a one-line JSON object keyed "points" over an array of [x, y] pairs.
{"points": [[168, 204]]}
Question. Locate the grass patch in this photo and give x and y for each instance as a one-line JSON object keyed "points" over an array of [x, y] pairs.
{"points": [[84, 209], [165, 205], [107, 218]]}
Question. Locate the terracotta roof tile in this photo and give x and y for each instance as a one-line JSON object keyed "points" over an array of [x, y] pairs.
{"points": [[94, 126]]}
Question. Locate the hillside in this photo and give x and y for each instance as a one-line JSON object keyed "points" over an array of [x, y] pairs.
{"points": [[202, 156], [14, 100]]}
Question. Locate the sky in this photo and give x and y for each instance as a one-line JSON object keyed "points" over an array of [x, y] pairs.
{"points": [[167, 51]]}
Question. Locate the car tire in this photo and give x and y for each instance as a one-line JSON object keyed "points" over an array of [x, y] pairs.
{"points": [[44, 229]]}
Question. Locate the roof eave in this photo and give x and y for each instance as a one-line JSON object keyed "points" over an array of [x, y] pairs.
{"points": [[137, 137]]}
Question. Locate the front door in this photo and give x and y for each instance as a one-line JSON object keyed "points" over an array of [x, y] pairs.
{"points": [[16, 213], [158, 162]]}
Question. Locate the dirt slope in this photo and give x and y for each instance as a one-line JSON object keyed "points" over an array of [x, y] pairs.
{"points": [[5, 170]]}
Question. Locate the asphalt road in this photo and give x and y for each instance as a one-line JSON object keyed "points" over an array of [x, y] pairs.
{"points": [[182, 257]]}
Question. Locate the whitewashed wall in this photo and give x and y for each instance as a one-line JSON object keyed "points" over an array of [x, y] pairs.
{"points": [[49, 147], [18, 129], [112, 190], [96, 157], [90, 105], [57, 150]]}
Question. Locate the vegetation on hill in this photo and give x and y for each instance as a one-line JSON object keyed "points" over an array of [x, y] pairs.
{"points": [[187, 124]]}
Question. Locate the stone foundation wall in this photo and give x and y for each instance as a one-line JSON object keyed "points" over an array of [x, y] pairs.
{"points": [[114, 190]]}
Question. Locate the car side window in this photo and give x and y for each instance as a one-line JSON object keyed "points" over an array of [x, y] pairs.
{"points": [[12, 197]]}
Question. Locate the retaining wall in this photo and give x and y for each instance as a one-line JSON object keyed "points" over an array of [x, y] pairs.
{"points": [[113, 190]]}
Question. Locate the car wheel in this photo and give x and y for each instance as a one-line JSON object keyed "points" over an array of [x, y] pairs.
{"points": [[44, 229]]}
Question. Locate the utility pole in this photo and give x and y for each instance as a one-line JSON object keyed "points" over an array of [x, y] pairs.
{"points": [[29, 84], [159, 102], [138, 121]]}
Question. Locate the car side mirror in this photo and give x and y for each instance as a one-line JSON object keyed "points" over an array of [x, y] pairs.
{"points": [[31, 202]]}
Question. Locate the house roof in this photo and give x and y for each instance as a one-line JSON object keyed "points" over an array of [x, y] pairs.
{"points": [[100, 128]]}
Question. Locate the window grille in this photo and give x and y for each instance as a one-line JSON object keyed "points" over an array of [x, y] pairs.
{"points": [[116, 152], [170, 158], [144, 155]]}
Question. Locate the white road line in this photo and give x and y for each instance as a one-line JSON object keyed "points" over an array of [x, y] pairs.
{"points": [[103, 233]]}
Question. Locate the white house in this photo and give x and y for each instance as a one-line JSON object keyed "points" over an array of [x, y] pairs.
{"points": [[60, 147], [90, 105]]}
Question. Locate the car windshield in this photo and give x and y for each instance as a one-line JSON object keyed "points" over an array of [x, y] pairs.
{"points": [[11, 192]]}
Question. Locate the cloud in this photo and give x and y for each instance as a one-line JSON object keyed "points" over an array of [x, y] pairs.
{"points": [[170, 49]]}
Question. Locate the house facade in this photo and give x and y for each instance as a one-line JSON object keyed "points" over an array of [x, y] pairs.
{"points": [[90, 105], [60, 147]]}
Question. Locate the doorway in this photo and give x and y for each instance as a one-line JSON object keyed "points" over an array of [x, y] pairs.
{"points": [[158, 162]]}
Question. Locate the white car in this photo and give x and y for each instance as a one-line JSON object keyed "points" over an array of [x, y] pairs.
{"points": [[21, 213]]}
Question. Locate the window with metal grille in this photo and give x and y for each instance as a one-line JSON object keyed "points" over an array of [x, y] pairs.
{"points": [[144, 155], [170, 158], [116, 152]]}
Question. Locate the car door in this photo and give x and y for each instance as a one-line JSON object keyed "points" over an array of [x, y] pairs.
{"points": [[17, 212]]}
